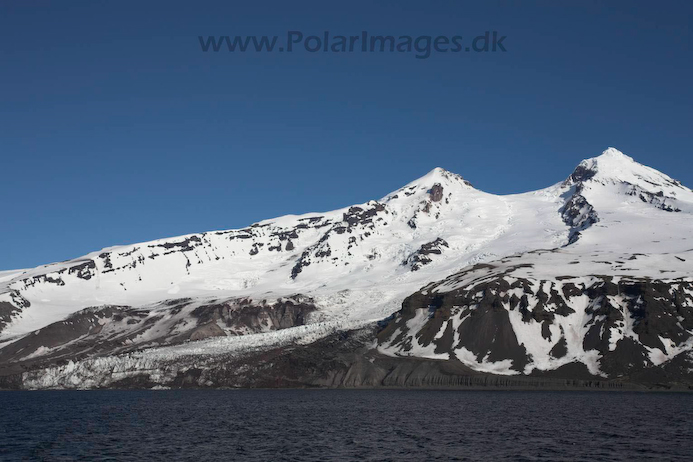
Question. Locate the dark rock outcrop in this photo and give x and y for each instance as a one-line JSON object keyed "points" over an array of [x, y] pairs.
{"points": [[627, 322], [578, 214], [423, 255]]}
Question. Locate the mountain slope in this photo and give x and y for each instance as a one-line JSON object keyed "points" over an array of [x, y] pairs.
{"points": [[437, 223], [582, 272]]}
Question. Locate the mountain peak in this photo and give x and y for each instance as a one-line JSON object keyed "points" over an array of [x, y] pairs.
{"points": [[614, 154], [613, 166], [431, 184], [438, 171], [440, 175], [611, 160]]}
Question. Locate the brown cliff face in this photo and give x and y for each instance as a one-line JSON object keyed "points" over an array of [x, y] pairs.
{"points": [[110, 330], [436, 192]]}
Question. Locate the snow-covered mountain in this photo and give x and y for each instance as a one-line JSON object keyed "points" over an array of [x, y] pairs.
{"points": [[594, 271]]}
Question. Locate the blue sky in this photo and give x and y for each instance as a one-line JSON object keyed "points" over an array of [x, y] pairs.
{"points": [[116, 128]]}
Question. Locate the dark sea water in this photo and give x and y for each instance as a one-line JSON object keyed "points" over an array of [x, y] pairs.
{"points": [[316, 425]]}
